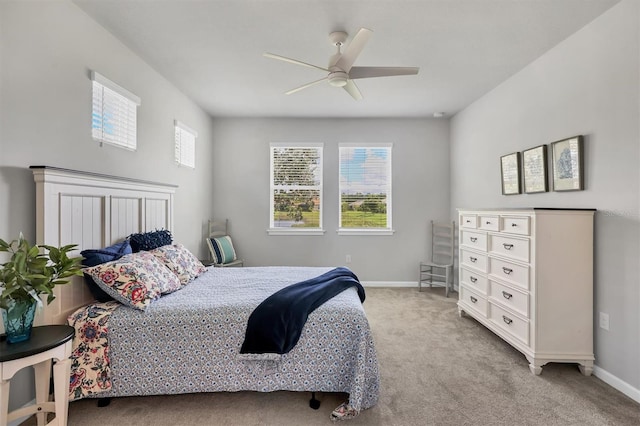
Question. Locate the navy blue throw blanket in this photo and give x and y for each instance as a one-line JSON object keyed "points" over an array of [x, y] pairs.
{"points": [[276, 324]]}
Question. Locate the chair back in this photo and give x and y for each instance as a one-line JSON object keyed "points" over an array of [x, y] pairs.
{"points": [[442, 242], [218, 228]]}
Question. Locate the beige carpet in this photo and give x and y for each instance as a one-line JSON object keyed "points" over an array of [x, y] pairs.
{"points": [[436, 369]]}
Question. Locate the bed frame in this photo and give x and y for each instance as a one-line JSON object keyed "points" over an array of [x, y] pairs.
{"points": [[92, 210]]}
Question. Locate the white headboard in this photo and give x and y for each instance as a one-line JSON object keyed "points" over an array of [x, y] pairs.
{"points": [[93, 211]]}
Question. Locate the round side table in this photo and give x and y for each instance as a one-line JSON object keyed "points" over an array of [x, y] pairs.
{"points": [[47, 343]]}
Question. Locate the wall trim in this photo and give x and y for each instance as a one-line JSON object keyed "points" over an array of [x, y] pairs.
{"points": [[389, 283], [617, 383]]}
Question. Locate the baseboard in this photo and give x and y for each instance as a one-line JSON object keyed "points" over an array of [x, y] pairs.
{"points": [[413, 284], [16, 422], [617, 383], [389, 283]]}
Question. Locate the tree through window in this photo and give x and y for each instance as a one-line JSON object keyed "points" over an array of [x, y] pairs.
{"points": [[296, 186]]}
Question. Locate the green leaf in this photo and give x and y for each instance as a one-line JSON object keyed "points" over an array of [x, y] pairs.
{"points": [[33, 252], [37, 268]]}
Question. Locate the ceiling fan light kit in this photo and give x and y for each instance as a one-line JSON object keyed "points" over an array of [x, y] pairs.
{"points": [[338, 78], [341, 71]]}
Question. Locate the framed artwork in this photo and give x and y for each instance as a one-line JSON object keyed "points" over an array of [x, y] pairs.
{"points": [[567, 163], [510, 171], [534, 170]]}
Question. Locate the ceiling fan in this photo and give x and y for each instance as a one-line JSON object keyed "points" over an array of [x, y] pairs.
{"points": [[341, 71]]}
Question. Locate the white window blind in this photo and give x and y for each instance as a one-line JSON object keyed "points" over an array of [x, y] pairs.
{"points": [[365, 188], [296, 188], [114, 115], [185, 147]]}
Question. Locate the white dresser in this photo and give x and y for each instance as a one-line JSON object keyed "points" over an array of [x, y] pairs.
{"points": [[527, 275]]}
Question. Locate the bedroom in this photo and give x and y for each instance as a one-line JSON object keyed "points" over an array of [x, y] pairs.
{"points": [[586, 84]]}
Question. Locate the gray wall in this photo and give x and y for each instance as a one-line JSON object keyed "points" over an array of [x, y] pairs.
{"points": [[420, 191], [47, 50], [589, 85]]}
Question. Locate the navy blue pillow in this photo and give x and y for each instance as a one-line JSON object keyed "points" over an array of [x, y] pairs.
{"points": [[149, 240], [95, 257], [107, 254]]}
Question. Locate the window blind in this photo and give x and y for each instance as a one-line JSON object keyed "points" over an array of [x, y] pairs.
{"points": [[114, 113], [365, 186], [185, 145], [296, 186]]}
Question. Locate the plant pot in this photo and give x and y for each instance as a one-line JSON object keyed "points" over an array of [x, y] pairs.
{"points": [[18, 319]]}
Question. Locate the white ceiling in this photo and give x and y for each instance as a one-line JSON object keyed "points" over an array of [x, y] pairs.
{"points": [[212, 50]]}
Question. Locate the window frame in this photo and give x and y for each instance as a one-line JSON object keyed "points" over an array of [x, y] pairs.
{"points": [[272, 188], [388, 230], [180, 129], [125, 99]]}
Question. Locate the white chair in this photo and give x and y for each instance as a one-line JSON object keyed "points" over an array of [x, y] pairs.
{"points": [[439, 270], [221, 250]]}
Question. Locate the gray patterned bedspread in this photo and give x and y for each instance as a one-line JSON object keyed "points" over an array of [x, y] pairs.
{"points": [[189, 341]]}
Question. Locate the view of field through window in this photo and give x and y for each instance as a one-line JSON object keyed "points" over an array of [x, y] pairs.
{"points": [[365, 187]]}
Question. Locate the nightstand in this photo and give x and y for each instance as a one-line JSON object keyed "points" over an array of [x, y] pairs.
{"points": [[47, 343]]}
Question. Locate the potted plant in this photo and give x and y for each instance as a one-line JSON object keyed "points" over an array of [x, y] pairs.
{"points": [[28, 274]]}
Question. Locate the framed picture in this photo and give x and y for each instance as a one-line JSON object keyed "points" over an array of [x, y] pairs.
{"points": [[510, 170], [534, 170], [567, 163]]}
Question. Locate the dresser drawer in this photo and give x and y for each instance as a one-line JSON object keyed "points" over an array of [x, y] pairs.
{"points": [[473, 260], [469, 221], [477, 282], [489, 223], [477, 240], [515, 225], [515, 248], [511, 323], [515, 300], [510, 272], [473, 300]]}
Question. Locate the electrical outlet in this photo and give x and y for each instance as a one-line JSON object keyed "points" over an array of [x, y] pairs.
{"points": [[348, 258], [604, 321]]}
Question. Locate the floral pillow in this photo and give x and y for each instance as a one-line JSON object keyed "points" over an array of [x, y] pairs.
{"points": [[135, 279], [180, 261]]}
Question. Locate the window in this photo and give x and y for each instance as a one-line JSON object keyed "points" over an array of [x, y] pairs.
{"points": [[185, 145], [114, 113], [296, 189], [365, 189]]}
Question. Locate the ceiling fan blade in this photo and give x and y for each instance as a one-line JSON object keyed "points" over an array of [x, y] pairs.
{"points": [[293, 61], [297, 89], [367, 72], [353, 90], [354, 49]]}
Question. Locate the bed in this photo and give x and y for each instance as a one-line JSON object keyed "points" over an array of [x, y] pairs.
{"points": [[188, 341]]}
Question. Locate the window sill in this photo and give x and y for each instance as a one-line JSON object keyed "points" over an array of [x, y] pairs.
{"points": [[363, 231], [290, 231]]}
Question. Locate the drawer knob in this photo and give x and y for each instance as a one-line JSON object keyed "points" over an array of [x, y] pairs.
{"points": [[468, 221], [473, 279], [507, 270], [506, 319], [507, 246], [507, 295], [514, 224], [473, 299], [488, 223], [473, 259], [473, 239]]}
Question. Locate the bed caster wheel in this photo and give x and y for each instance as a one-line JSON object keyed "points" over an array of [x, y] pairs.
{"points": [[313, 402]]}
